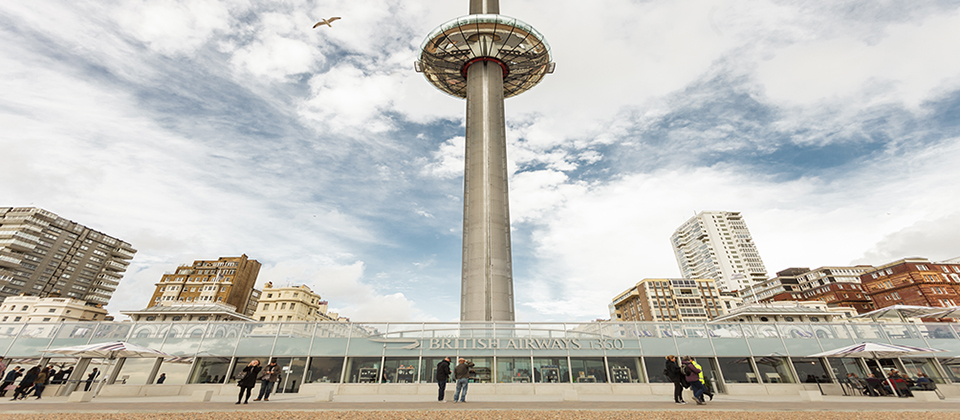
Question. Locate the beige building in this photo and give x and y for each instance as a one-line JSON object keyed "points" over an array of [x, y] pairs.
{"points": [[35, 309], [294, 303], [688, 300], [44, 255], [810, 311], [227, 280]]}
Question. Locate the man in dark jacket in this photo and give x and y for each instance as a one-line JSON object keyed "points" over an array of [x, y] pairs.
{"points": [[675, 375], [462, 373], [443, 375], [10, 379], [268, 377]]}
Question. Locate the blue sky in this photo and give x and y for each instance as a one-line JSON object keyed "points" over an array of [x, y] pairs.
{"points": [[197, 129]]}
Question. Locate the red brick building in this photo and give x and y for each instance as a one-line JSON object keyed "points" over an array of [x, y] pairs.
{"points": [[913, 281], [848, 295]]}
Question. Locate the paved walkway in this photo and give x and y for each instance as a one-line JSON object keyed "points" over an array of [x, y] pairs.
{"points": [[295, 402]]}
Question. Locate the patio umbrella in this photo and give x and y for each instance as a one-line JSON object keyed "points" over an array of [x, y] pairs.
{"points": [[110, 351], [876, 351]]}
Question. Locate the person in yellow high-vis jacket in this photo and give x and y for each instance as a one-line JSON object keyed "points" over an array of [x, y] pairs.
{"points": [[708, 391]]}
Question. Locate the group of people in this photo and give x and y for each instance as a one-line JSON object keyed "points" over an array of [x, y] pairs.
{"points": [[877, 386], [248, 380], [687, 374], [461, 373], [35, 379]]}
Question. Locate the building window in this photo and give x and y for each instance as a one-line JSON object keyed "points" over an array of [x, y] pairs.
{"points": [[921, 267]]}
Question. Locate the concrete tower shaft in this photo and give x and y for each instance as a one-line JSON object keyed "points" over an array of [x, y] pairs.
{"points": [[487, 278], [485, 57], [484, 7]]}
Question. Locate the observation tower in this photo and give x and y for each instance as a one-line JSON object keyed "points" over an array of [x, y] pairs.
{"points": [[485, 57]]}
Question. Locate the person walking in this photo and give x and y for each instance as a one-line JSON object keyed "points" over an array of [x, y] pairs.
{"points": [[248, 380], [692, 375], [10, 379], [41, 382], [462, 374], [267, 378], [443, 375], [706, 390], [163, 377], [673, 372], [90, 378], [26, 383]]}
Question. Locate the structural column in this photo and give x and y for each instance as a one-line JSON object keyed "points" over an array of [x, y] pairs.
{"points": [[487, 277]]}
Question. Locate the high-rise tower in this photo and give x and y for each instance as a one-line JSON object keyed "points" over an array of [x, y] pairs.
{"points": [[717, 245], [485, 57]]}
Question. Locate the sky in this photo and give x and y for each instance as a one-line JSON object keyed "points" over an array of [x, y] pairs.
{"points": [[196, 129]]}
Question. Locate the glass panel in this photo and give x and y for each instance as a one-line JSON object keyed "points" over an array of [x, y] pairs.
{"points": [[220, 340], [625, 369], [811, 370], [324, 370], [363, 370], [952, 366], [330, 339], [774, 369], [135, 371], [75, 334], [913, 367], [258, 338], [242, 362], [177, 370], [514, 370], [211, 370], [588, 370], [183, 339], [843, 367], [868, 332], [551, 370], [736, 370], [112, 331], [291, 374], [33, 339], [900, 331], [428, 369], [294, 339], [482, 371], [936, 331], [655, 367], [400, 370]]}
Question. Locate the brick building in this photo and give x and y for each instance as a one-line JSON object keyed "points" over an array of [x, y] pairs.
{"points": [[913, 281], [227, 280]]}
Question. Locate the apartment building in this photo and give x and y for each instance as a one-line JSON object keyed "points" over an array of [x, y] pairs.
{"points": [[227, 280], [292, 303], [717, 245], [44, 255], [913, 281], [35, 309], [682, 300]]}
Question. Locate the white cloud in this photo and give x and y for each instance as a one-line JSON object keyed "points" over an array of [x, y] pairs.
{"points": [[600, 241], [910, 63], [171, 26], [280, 49]]}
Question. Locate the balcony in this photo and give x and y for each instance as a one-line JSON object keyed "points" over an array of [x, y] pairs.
{"points": [[122, 253], [17, 244], [8, 260], [115, 266]]}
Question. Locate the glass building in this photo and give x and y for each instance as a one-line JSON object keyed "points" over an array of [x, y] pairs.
{"points": [[737, 358]]}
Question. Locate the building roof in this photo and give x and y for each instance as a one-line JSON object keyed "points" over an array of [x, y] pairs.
{"points": [[207, 309], [773, 310]]}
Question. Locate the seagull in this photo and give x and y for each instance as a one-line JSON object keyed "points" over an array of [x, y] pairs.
{"points": [[326, 22]]}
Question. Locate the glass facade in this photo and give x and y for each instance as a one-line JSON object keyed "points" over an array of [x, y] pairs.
{"points": [[213, 353]]}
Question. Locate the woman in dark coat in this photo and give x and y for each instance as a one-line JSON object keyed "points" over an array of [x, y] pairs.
{"points": [[249, 380], [26, 383], [673, 372]]}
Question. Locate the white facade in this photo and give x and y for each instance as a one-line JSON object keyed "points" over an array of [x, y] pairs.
{"points": [[294, 304], [53, 309], [717, 245]]}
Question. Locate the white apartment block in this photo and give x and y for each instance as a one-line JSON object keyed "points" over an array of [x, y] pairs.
{"points": [[717, 245], [294, 304], [44, 255], [34, 309]]}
